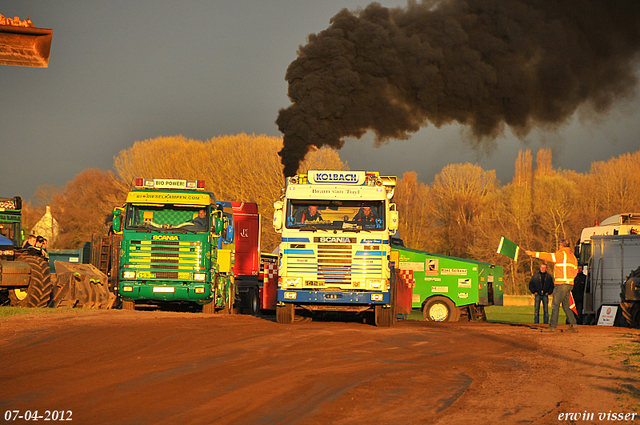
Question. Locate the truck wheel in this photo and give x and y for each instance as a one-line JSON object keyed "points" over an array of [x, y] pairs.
{"points": [[631, 312], [209, 308], [255, 301], [128, 305], [384, 316], [440, 309], [38, 293], [482, 315], [285, 313]]}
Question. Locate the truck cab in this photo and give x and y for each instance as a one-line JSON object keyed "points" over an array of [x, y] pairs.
{"points": [[334, 256], [171, 230]]}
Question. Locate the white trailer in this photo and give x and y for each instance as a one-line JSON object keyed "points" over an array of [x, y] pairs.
{"points": [[612, 260]]}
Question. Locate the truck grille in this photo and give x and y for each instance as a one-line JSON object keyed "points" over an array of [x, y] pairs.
{"points": [[161, 258], [166, 275], [334, 264]]}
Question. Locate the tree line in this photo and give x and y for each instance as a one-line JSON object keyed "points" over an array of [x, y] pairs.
{"points": [[462, 213], [235, 168]]}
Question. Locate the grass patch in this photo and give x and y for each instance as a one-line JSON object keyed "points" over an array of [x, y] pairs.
{"points": [[629, 349], [518, 314], [628, 353], [7, 311], [506, 314]]}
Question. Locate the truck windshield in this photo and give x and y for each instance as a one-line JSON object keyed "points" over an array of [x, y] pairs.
{"points": [[335, 214], [167, 217], [11, 231]]}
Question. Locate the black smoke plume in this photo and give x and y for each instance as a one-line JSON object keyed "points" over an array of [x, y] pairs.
{"points": [[481, 63]]}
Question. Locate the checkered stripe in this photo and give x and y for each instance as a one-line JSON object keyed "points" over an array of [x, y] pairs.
{"points": [[170, 217], [270, 271], [407, 278]]}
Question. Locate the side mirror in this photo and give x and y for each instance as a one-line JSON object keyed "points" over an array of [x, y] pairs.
{"points": [[219, 226], [393, 218], [116, 224], [277, 216], [230, 231]]}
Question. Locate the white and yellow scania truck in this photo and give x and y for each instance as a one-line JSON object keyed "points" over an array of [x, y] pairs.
{"points": [[334, 255]]}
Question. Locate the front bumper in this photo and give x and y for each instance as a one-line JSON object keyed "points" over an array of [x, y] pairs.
{"points": [[333, 297], [164, 291]]}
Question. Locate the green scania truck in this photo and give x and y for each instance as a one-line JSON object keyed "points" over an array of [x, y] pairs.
{"points": [[177, 246]]}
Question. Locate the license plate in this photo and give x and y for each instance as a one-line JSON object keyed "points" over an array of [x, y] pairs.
{"points": [[146, 275], [164, 289]]}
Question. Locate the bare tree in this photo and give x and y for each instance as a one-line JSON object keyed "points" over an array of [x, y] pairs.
{"points": [[83, 206], [415, 227], [457, 198]]}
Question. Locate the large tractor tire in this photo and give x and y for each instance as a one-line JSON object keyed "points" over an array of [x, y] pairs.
{"points": [[81, 286], [630, 299], [38, 293], [440, 309], [104, 298], [285, 313], [86, 294], [631, 312], [63, 293]]}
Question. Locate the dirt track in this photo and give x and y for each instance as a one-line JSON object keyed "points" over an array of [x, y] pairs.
{"points": [[156, 367]]}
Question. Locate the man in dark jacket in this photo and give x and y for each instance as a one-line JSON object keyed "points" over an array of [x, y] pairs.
{"points": [[578, 292], [541, 285]]}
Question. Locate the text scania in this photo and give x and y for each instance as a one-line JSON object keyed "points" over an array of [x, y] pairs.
{"points": [[326, 177], [334, 240], [165, 238]]}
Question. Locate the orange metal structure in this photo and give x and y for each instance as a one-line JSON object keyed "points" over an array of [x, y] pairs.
{"points": [[22, 44]]}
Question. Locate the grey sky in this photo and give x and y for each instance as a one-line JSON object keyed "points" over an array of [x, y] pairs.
{"points": [[125, 71]]}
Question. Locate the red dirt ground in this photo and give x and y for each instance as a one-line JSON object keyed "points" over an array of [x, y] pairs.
{"points": [[140, 367]]}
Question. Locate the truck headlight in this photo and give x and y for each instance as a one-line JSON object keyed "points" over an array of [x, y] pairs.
{"points": [[127, 289], [199, 289], [199, 276], [293, 281], [376, 297], [129, 274], [290, 295], [375, 284]]}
